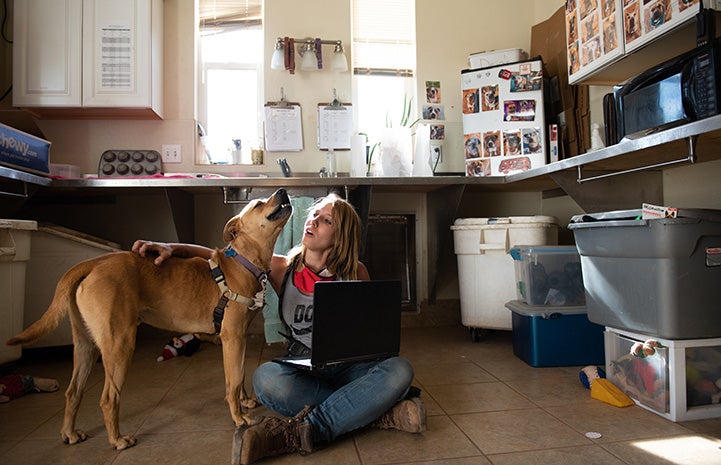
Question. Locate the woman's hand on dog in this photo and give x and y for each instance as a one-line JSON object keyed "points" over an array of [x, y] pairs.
{"points": [[165, 250]]}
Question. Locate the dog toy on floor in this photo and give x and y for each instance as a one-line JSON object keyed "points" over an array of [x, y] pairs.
{"points": [[602, 389], [187, 345], [14, 386]]}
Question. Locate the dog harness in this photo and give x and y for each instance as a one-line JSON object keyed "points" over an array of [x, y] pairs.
{"points": [[254, 303]]}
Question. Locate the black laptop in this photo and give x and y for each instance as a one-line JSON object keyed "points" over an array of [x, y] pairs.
{"points": [[353, 321]]}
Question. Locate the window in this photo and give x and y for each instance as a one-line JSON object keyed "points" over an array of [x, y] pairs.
{"points": [[384, 60], [230, 89]]}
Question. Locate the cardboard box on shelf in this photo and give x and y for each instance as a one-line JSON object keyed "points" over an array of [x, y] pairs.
{"points": [[23, 151]]}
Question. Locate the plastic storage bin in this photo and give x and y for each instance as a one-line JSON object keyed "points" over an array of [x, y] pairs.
{"points": [[549, 275], [55, 250], [496, 57], [678, 382], [15, 241], [658, 277], [555, 336], [485, 267]]}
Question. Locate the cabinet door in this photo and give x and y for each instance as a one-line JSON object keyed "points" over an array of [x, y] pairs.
{"points": [[117, 54], [47, 53]]}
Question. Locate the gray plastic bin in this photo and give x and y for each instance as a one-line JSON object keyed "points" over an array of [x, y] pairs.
{"points": [[657, 277]]}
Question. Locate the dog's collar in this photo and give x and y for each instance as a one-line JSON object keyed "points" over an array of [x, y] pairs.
{"points": [[259, 274]]}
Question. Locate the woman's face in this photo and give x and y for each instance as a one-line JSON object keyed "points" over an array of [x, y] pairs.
{"points": [[319, 227]]}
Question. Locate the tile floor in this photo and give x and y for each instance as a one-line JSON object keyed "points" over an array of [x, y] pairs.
{"points": [[485, 406]]}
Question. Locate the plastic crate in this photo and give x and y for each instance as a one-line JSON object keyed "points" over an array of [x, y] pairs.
{"points": [[678, 382], [555, 336], [549, 275]]}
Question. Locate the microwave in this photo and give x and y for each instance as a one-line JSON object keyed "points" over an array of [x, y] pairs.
{"points": [[678, 91]]}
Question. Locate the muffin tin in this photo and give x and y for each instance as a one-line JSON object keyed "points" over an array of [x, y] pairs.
{"points": [[118, 163]]}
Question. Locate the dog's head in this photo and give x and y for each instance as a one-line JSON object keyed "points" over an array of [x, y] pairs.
{"points": [[260, 223], [472, 149], [490, 144], [432, 94]]}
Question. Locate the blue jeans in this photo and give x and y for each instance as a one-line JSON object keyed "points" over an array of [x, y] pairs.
{"points": [[344, 398]]}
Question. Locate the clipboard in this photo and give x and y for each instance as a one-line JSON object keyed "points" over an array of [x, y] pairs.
{"points": [[335, 125], [283, 126]]}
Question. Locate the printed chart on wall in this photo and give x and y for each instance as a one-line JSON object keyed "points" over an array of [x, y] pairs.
{"points": [[283, 127], [503, 120], [335, 126]]}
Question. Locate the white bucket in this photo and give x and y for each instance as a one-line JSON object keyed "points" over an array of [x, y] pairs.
{"points": [[486, 271]]}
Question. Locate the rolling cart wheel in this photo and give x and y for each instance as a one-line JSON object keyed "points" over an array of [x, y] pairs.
{"points": [[479, 334]]}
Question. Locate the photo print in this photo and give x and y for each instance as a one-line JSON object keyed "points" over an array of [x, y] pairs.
{"points": [[610, 41], [683, 4], [586, 7], [491, 143], [570, 6], [608, 8], [574, 63], [438, 132], [514, 164], [526, 82], [480, 167], [470, 101], [631, 22], [433, 92], [591, 51], [571, 29], [532, 141], [472, 145], [489, 98], [589, 28], [436, 111], [657, 14], [511, 142], [519, 110]]}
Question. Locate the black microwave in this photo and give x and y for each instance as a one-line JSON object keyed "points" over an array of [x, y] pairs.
{"points": [[683, 89]]}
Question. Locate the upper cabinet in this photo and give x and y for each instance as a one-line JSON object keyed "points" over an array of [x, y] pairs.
{"points": [[602, 32], [88, 58]]}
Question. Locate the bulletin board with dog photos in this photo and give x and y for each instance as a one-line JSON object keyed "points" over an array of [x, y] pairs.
{"points": [[503, 118], [594, 35]]}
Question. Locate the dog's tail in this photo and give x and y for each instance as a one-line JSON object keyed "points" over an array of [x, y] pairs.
{"points": [[62, 301]]}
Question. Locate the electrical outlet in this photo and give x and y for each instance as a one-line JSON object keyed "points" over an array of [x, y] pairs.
{"points": [[171, 153]]}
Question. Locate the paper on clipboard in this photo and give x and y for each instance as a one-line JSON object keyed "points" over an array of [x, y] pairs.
{"points": [[335, 126], [283, 128]]}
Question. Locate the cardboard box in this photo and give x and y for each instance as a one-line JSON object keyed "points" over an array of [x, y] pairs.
{"points": [[23, 151]]}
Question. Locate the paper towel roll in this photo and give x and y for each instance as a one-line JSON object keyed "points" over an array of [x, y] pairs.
{"points": [[358, 166]]}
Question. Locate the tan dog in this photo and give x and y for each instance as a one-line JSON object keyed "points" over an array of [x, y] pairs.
{"points": [[107, 297]]}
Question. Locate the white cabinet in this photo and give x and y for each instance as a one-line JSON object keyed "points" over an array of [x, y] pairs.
{"points": [[600, 32], [101, 56]]}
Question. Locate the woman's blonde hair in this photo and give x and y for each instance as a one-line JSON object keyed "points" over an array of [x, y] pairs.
{"points": [[343, 258]]}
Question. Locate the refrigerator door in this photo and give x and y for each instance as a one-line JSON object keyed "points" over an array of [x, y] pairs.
{"points": [[503, 118]]}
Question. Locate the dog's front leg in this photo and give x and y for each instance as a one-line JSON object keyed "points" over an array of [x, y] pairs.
{"points": [[234, 366]]}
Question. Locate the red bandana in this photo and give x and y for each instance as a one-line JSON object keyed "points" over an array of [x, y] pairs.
{"points": [[305, 279]]}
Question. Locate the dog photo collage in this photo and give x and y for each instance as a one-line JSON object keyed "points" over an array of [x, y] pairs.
{"points": [[503, 119], [594, 27], [433, 110]]}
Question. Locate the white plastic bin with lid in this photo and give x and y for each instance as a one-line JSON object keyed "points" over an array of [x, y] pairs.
{"points": [[14, 254], [55, 250], [486, 272]]}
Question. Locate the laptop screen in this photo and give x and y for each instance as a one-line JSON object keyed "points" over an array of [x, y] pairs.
{"points": [[355, 320]]}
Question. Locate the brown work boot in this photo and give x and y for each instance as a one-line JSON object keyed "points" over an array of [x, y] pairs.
{"points": [[272, 436], [408, 415]]}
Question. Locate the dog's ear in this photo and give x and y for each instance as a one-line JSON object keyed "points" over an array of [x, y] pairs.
{"points": [[230, 231]]}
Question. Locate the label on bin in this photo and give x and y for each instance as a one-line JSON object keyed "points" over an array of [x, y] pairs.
{"points": [[713, 256]]}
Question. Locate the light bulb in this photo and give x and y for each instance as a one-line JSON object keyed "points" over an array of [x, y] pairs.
{"points": [[277, 61], [339, 61], [308, 62]]}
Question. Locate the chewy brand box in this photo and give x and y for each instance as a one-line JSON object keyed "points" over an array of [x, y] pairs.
{"points": [[23, 151]]}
